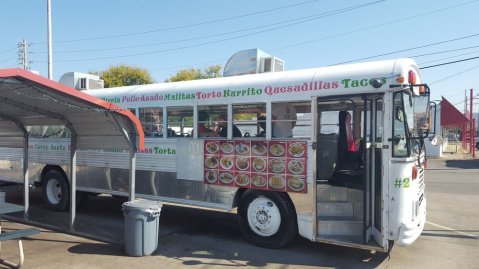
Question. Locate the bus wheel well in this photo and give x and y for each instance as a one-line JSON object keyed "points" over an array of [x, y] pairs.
{"points": [[237, 197], [48, 168], [239, 194]]}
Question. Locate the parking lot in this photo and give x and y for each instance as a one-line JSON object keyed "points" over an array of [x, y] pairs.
{"points": [[192, 238]]}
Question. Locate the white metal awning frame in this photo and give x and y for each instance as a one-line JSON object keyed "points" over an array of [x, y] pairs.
{"points": [[27, 99]]}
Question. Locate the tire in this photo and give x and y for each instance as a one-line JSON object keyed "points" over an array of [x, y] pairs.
{"points": [[56, 192], [477, 145], [267, 219]]}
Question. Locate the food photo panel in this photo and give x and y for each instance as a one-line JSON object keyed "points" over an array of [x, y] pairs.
{"points": [[295, 183], [259, 181], [259, 148], [226, 178], [227, 147], [276, 182], [211, 176], [242, 180], [297, 149], [277, 148], [211, 147], [242, 147]]}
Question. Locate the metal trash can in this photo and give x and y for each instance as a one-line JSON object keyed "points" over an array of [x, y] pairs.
{"points": [[141, 226]]}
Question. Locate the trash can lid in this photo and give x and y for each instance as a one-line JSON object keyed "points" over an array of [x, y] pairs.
{"points": [[142, 204]]}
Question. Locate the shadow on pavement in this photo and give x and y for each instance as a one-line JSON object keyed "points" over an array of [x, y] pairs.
{"points": [[232, 253], [190, 236], [198, 237], [463, 164], [450, 233], [98, 249]]}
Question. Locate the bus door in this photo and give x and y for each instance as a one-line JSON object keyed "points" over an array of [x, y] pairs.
{"points": [[348, 170], [373, 147]]}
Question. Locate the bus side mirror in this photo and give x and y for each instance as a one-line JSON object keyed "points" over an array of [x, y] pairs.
{"points": [[436, 140], [432, 117]]}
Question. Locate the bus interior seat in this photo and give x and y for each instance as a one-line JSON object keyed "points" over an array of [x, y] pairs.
{"points": [[349, 157], [348, 172], [327, 155]]}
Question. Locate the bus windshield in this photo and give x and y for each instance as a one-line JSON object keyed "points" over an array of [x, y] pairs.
{"points": [[411, 122]]}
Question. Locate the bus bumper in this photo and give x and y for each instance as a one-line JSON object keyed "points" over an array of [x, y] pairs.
{"points": [[410, 232]]}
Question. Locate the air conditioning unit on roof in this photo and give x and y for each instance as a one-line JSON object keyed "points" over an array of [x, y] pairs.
{"points": [[82, 81], [271, 64], [252, 61]]}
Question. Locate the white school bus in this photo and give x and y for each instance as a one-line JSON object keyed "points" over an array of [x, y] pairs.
{"points": [[334, 154]]}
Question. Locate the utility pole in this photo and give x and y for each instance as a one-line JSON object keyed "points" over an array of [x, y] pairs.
{"points": [[472, 124], [49, 36], [22, 54]]}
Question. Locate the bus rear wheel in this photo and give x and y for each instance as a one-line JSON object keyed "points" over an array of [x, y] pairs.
{"points": [[267, 219], [55, 190]]}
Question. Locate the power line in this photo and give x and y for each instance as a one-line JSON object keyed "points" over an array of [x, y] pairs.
{"points": [[371, 27], [408, 49], [455, 75], [315, 16], [431, 12], [8, 50], [226, 39], [444, 51], [449, 57], [453, 62], [451, 96], [272, 24], [7, 60], [300, 20], [184, 26], [375, 26]]}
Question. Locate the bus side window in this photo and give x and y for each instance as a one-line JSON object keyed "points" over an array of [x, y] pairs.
{"points": [[247, 117], [151, 119], [180, 121], [302, 128], [212, 121], [291, 120]]}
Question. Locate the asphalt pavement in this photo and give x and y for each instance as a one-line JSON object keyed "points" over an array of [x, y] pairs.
{"points": [[193, 238]]}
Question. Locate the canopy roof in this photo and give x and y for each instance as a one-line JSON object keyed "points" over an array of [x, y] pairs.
{"points": [[28, 99], [450, 116]]}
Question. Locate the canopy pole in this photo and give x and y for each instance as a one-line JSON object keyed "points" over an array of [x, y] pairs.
{"points": [[26, 183], [132, 177], [73, 178]]}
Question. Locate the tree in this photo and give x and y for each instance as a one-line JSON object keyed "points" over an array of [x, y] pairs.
{"points": [[124, 75], [195, 73]]}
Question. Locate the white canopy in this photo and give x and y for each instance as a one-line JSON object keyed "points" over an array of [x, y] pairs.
{"points": [[27, 99]]}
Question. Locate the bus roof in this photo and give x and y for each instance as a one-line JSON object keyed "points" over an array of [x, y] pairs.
{"points": [[276, 86]]}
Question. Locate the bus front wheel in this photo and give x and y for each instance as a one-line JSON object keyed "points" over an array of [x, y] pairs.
{"points": [[55, 190], [267, 219]]}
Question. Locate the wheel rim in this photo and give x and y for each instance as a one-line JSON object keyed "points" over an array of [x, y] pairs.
{"points": [[54, 191], [263, 217]]}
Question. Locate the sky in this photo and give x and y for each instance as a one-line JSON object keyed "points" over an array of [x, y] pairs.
{"points": [[166, 36]]}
